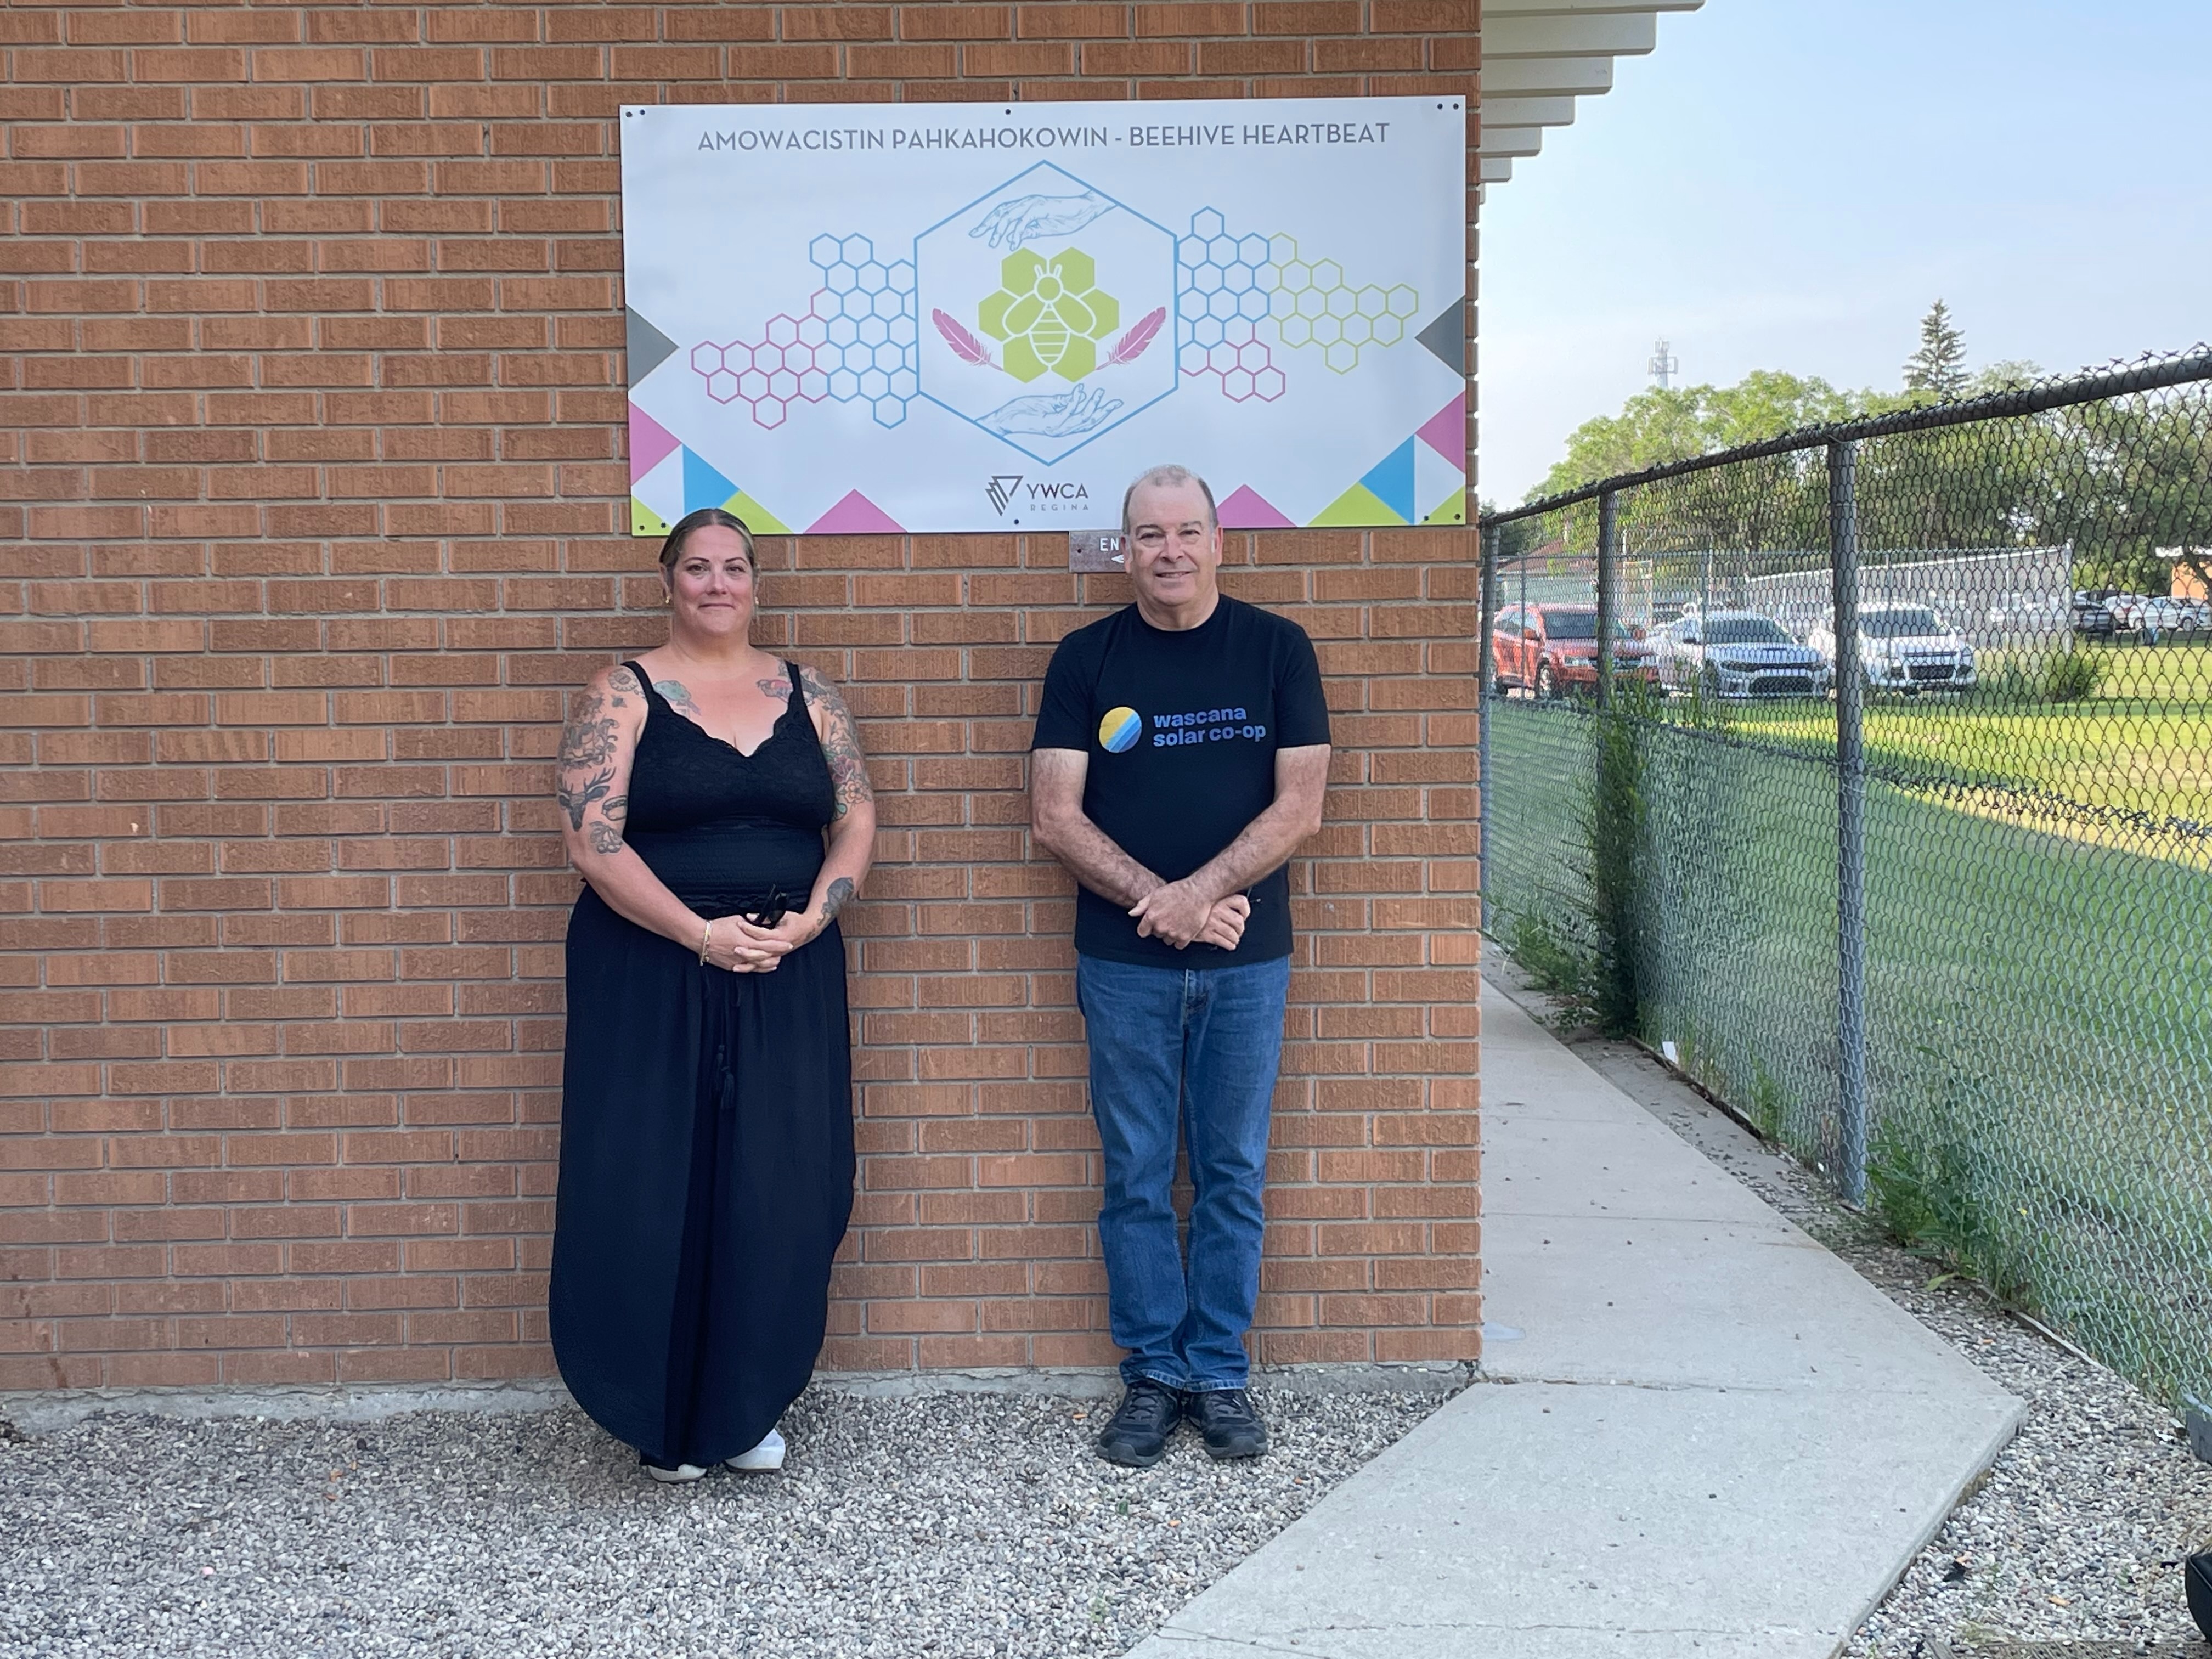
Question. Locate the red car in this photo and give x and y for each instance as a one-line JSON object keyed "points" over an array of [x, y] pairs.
{"points": [[1551, 649]]}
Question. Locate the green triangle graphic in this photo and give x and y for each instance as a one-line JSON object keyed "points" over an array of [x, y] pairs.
{"points": [[1453, 511], [644, 521], [648, 347], [758, 519], [1357, 506]]}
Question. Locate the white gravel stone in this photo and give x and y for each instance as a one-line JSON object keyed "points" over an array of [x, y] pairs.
{"points": [[952, 1525]]}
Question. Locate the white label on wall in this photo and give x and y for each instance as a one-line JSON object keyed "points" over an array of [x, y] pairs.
{"points": [[845, 319]]}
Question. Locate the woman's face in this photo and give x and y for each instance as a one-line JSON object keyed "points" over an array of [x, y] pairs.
{"points": [[710, 585]]}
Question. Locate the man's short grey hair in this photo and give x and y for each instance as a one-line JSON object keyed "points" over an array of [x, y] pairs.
{"points": [[1168, 476]]}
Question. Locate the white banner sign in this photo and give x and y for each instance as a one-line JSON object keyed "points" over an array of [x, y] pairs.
{"points": [[847, 319]]}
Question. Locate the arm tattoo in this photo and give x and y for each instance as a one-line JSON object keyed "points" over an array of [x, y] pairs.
{"points": [[841, 744], [588, 739], [621, 685], [606, 836], [840, 891], [585, 766], [575, 797]]}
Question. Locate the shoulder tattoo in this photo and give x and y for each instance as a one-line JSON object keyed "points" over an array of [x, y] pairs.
{"points": [[840, 744], [678, 696]]}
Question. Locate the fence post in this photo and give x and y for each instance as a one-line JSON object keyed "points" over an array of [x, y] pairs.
{"points": [[1850, 824], [1609, 582], [1485, 699]]}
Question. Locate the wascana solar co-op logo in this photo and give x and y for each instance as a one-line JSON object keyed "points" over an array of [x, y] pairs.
{"points": [[1120, 728]]}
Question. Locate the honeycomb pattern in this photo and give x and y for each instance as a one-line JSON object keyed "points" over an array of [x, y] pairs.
{"points": [[855, 343], [1225, 285], [1223, 294]]}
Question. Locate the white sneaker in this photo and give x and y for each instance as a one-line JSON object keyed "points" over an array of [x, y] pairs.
{"points": [[768, 1454], [680, 1475]]}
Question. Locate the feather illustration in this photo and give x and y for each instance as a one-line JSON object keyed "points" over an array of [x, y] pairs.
{"points": [[1131, 346], [965, 346]]}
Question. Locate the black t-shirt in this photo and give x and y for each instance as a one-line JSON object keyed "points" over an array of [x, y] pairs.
{"points": [[1181, 729]]}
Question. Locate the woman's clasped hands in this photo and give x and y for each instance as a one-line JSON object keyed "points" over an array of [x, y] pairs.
{"points": [[744, 947]]}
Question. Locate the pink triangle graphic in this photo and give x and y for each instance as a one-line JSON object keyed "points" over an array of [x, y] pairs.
{"points": [[1445, 431], [1245, 509], [856, 515], [650, 443]]}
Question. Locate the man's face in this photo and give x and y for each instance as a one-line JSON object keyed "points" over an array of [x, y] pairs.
{"points": [[1175, 545]]}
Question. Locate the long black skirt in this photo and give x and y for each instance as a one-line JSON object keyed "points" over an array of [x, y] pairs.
{"points": [[706, 1182]]}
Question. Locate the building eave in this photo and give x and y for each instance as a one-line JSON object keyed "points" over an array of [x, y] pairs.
{"points": [[1540, 56]]}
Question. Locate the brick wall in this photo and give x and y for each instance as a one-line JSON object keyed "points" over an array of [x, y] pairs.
{"points": [[312, 492]]}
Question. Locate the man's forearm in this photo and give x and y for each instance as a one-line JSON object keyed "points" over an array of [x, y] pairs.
{"points": [[1263, 847], [1093, 858]]}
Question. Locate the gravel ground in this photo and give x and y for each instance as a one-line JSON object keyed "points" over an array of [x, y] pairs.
{"points": [[941, 1525], [2076, 1536]]}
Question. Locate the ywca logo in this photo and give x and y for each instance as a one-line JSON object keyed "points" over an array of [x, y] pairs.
{"points": [[1001, 490]]}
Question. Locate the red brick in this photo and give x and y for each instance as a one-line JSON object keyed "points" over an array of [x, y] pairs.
{"points": [[295, 890]]}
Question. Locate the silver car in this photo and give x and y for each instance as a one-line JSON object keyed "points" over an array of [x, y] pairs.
{"points": [[1737, 653], [1902, 648], [2159, 618]]}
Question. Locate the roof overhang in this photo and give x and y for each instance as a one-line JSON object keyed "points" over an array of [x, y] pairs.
{"points": [[1539, 56]]}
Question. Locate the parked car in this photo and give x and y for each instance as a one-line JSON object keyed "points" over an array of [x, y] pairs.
{"points": [[2035, 615], [1902, 648], [2092, 619], [1737, 653], [2126, 608], [2159, 618], [1552, 650]]}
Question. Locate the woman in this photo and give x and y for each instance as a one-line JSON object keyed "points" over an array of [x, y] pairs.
{"points": [[715, 800]]}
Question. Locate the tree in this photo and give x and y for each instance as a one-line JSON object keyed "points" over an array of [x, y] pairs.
{"points": [[2135, 475], [1777, 503], [2116, 480], [1939, 369], [1672, 424]]}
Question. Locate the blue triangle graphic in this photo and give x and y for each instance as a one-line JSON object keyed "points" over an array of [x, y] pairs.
{"points": [[704, 487], [1392, 481]]}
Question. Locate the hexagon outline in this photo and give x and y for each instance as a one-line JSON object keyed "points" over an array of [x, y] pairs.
{"points": [[1127, 414]]}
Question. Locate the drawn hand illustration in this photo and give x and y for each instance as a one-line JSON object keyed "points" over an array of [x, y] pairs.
{"points": [[1055, 416], [1011, 223]]}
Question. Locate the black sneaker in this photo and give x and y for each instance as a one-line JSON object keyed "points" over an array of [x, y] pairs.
{"points": [[1227, 1423], [1137, 1436]]}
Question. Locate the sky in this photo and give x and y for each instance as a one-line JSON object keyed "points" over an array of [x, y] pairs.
{"points": [[1788, 184]]}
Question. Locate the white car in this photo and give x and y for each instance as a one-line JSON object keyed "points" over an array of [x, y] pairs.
{"points": [[1902, 648], [2157, 616], [1736, 654], [2127, 609]]}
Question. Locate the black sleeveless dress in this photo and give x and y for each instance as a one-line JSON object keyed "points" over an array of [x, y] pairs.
{"points": [[707, 1116]]}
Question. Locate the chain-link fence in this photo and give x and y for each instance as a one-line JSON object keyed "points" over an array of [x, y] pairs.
{"points": [[1867, 773]]}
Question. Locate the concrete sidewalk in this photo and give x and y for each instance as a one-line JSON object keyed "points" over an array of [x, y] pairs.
{"points": [[1720, 1441]]}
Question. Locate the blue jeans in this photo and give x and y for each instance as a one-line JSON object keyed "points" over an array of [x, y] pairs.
{"points": [[1194, 1051]]}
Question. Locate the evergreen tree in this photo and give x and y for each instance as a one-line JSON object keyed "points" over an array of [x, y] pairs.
{"points": [[1939, 367]]}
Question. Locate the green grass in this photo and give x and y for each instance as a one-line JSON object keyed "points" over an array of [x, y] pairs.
{"points": [[2142, 744], [2040, 1005]]}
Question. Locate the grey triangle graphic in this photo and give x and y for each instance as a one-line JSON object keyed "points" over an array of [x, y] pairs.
{"points": [[1446, 336], [649, 348]]}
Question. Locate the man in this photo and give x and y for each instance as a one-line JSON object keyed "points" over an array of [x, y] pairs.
{"points": [[1181, 753]]}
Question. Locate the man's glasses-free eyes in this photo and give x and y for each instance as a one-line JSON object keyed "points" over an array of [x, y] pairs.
{"points": [[1151, 539]]}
